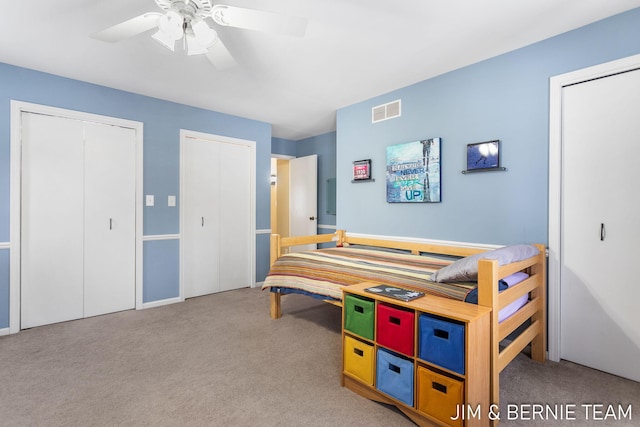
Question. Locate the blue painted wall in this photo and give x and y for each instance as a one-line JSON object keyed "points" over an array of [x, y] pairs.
{"points": [[325, 147], [162, 123], [505, 98], [283, 146], [161, 269]]}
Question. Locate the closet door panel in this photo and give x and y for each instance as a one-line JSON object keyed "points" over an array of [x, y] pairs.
{"points": [[201, 221], [109, 211], [600, 232], [52, 220], [235, 216]]}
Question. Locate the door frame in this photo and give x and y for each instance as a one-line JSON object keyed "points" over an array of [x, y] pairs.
{"points": [[186, 134], [277, 213], [556, 85], [15, 193]]}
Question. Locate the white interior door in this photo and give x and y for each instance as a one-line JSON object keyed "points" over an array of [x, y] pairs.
{"points": [[201, 222], [303, 198], [109, 215], [235, 216], [52, 220], [599, 317]]}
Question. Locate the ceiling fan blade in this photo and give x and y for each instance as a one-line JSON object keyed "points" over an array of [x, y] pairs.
{"points": [[220, 57], [129, 28], [258, 20]]}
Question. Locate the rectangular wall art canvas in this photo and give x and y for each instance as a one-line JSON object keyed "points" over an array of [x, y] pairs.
{"points": [[413, 172]]}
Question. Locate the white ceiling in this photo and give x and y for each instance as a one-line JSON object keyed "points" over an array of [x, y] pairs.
{"points": [[353, 50]]}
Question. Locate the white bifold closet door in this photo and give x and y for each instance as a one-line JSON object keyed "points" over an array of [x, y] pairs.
{"points": [[600, 231], [109, 219], [201, 222], [78, 219], [52, 258], [216, 197], [235, 216]]}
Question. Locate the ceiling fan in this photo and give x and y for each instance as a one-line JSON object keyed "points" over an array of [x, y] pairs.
{"points": [[189, 21]]}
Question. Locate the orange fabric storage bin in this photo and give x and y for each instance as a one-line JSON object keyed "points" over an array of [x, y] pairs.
{"points": [[394, 328], [358, 359], [439, 396]]}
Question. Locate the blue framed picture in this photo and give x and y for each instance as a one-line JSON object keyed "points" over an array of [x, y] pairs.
{"points": [[483, 155]]}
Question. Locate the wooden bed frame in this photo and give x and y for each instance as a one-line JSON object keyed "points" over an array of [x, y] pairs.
{"points": [[529, 321]]}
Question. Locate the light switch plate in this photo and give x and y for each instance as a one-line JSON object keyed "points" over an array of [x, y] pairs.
{"points": [[171, 201], [149, 200]]}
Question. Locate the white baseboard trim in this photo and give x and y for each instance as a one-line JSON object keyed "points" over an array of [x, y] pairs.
{"points": [[263, 231], [4, 331], [427, 241], [5, 245], [162, 302]]}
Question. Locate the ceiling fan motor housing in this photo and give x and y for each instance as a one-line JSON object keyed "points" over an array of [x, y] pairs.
{"points": [[191, 8]]}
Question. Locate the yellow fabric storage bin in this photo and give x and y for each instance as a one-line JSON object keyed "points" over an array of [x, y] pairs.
{"points": [[358, 359], [439, 395]]}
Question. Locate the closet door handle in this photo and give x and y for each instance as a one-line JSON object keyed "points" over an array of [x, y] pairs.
{"points": [[202, 222], [110, 223], [602, 232]]}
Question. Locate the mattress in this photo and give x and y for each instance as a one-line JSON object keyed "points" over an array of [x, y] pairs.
{"points": [[323, 273]]}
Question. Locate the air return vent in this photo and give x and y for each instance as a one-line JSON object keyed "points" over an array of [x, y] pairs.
{"points": [[386, 111]]}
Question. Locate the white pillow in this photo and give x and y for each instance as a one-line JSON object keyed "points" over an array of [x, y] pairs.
{"points": [[466, 269]]}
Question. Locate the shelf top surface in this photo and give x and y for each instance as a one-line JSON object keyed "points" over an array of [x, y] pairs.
{"points": [[457, 310]]}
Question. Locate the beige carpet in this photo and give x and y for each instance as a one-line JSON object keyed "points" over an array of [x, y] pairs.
{"points": [[219, 360]]}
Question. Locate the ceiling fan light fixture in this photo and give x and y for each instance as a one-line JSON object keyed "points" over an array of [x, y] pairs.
{"points": [[204, 35], [171, 24], [193, 47], [164, 40]]}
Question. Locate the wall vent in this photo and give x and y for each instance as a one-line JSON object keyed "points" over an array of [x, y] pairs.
{"points": [[386, 111]]}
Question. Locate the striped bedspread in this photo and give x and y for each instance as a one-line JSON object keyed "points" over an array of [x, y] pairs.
{"points": [[324, 272]]}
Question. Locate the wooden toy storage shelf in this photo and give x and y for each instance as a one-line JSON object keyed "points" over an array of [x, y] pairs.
{"points": [[434, 386]]}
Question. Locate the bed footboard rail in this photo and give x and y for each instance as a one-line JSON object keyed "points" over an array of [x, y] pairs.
{"points": [[279, 246], [529, 322]]}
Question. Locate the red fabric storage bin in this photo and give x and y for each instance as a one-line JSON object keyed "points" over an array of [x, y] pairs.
{"points": [[394, 328]]}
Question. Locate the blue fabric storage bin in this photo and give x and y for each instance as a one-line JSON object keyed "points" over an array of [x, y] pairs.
{"points": [[394, 376], [441, 342]]}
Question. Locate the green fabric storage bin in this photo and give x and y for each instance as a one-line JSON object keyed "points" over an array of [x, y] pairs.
{"points": [[358, 316]]}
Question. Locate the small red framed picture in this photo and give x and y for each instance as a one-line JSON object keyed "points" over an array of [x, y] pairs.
{"points": [[362, 170]]}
